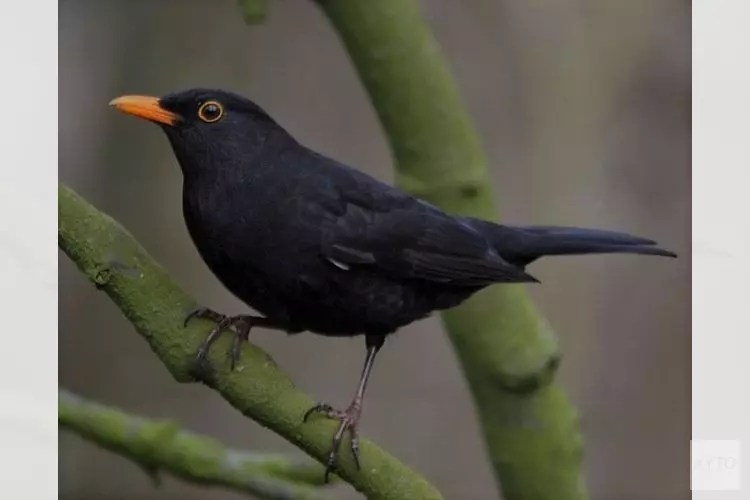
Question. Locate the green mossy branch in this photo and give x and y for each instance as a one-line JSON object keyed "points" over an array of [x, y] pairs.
{"points": [[254, 11], [507, 351], [156, 306], [160, 445]]}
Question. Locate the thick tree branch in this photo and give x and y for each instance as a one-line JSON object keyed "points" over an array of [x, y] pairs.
{"points": [[254, 11], [508, 353], [158, 445], [156, 306]]}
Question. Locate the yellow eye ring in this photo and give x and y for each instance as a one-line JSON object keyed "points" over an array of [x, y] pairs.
{"points": [[210, 111]]}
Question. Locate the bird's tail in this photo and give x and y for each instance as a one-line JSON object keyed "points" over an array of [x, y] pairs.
{"points": [[522, 245]]}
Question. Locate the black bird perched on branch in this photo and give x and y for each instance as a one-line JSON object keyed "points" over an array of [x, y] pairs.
{"points": [[315, 245]]}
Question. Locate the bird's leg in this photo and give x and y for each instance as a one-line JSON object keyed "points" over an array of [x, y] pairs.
{"points": [[349, 418], [240, 326]]}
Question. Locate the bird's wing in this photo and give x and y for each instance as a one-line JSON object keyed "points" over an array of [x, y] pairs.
{"points": [[413, 240]]}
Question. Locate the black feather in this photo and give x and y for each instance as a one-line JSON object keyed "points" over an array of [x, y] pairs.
{"points": [[522, 245]]}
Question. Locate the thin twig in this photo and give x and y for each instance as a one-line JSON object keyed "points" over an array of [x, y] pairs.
{"points": [[160, 445]]}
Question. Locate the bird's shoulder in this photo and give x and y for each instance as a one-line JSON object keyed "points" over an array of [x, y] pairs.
{"points": [[338, 187]]}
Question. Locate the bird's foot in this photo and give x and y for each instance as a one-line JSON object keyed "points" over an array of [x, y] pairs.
{"points": [[239, 325], [349, 421]]}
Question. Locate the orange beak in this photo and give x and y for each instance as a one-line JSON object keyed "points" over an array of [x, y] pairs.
{"points": [[145, 107]]}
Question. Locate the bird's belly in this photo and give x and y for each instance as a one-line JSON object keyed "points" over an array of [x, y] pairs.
{"points": [[334, 302], [346, 303]]}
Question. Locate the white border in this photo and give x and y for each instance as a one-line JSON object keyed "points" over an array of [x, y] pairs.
{"points": [[28, 256], [721, 225], [28, 250]]}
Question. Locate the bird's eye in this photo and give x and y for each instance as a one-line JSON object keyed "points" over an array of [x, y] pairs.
{"points": [[210, 111]]}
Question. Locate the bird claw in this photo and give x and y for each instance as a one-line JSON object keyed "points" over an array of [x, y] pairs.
{"points": [[203, 312], [240, 326], [349, 421]]}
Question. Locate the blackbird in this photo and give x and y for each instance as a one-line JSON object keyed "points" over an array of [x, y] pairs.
{"points": [[315, 245]]}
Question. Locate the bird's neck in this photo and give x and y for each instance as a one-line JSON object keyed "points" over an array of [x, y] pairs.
{"points": [[234, 171], [206, 161]]}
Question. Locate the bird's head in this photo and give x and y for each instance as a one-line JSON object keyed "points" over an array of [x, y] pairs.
{"points": [[204, 126]]}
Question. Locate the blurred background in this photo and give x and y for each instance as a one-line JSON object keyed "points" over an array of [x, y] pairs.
{"points": [[583, 108]]}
